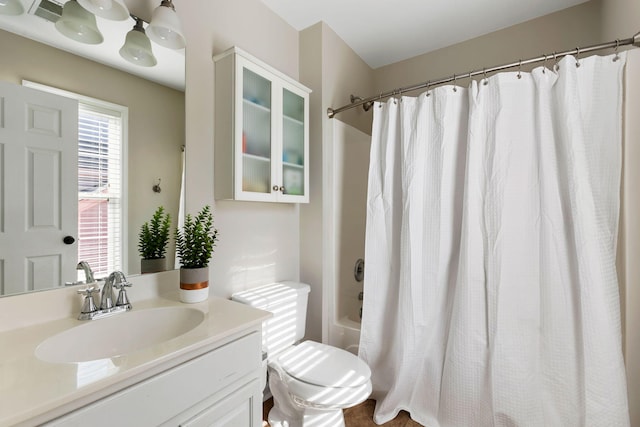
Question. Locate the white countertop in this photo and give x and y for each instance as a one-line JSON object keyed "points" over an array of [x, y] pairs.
{"points": [[33, 391]]}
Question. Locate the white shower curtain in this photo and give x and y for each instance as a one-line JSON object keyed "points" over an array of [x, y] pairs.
{"points": [[491, 296]]}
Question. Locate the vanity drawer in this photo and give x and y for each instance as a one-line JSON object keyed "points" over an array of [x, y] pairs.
{"points": [[169, 394]]}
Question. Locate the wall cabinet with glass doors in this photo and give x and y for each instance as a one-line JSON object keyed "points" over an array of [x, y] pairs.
{"points": [[261, 132]]}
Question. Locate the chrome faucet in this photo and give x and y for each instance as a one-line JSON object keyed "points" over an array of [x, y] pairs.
{"points": [[88, 274], [89, 310], [106, 295], [118, 281]]}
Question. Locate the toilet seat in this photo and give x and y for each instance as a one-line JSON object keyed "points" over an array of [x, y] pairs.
{"points": [[311, 383], [319, 375], [323, 365]]}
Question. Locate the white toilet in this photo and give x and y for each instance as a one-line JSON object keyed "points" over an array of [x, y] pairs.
{"points": [[311, 382]]}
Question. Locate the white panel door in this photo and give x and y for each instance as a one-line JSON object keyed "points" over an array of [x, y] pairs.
{"points": [[38, 189]]}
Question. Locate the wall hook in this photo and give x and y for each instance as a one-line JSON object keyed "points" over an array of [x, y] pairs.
{"points": [[156, 187]]}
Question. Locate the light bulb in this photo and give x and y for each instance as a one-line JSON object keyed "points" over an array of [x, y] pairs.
{"points": [[103, 4], [114, 10], [11, 7]]}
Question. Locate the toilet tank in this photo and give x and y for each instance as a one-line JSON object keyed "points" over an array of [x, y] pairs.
{"points": [[288, 303]]}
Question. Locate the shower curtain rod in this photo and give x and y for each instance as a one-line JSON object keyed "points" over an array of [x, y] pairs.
{"points": [[367, 102]]}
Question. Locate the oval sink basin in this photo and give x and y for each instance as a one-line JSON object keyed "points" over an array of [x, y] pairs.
{"points": [[118, 335]]}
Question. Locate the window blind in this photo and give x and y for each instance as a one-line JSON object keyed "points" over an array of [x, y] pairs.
{"points": [[100, 188]]}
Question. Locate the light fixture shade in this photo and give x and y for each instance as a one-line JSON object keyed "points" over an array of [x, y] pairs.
{"points": [[114, 10], [78, 24], [165, 28], [137, 48], [11, 7]]}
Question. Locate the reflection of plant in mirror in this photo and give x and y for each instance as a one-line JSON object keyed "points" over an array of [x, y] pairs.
{"points": [[194, 244], [154, 235]]}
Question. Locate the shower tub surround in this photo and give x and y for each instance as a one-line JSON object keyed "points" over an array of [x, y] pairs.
{"points": [[122, 389], [346, 195]]}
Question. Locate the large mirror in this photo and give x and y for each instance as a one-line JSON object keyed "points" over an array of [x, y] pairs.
{"points": [[33, 51]]}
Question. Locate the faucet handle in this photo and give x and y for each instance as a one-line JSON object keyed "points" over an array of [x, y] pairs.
{"points": [[123, 299], [122, 285], [88, 304], [88, 291]]}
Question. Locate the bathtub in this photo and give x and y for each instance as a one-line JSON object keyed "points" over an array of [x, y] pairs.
{"points": [[349, 333]]}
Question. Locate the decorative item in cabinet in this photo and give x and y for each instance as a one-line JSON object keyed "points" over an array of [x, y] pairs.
{"points": [[261, 132]]}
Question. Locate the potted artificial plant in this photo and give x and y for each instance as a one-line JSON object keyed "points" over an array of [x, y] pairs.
{"points": [[152, 242], [194, 247]]}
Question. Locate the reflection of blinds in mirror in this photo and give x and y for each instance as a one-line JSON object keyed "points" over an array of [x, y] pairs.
{"points": [[99, 188]]}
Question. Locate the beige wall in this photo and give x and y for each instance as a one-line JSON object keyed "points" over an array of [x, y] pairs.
{"points": [[259, 242], [621, 19], [332, 70], [312, 235], [629, 240], [563, 30], [156, 121], [344, 73]]}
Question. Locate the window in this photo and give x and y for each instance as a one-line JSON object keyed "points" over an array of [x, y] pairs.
{"points": [[101, 182], [100, 188]]}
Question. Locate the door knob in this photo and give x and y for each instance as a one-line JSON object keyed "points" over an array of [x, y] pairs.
{"points": [[68, 240]]}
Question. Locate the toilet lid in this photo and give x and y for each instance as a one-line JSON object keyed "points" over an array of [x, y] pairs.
{"points": [[323, 365]]}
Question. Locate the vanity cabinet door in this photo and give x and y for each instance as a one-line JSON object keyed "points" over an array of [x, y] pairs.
{"points": [[240, 408], [220, 381], [261, 132]]}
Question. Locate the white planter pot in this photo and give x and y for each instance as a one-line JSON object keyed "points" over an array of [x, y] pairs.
{"points": [[194, 284]]}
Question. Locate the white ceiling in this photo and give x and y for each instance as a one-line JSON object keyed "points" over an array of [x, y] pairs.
{"points": [[382, 32]]}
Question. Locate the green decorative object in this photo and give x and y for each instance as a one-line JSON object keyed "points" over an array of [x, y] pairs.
{"points": [[154, 235], [195, 243]]}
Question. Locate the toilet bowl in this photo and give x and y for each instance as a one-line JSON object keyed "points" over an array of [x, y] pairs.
{"points": [[311, 383]]}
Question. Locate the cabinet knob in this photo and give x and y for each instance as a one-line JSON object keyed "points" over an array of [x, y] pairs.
{"points": [[282, 188], [275, 188]]}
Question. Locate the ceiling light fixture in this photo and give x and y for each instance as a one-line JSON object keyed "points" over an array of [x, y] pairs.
{"points": [[165, 28], [114, 10], [11, 7], [78, 24], [137, 46]]}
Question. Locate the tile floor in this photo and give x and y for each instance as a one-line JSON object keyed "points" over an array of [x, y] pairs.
{"points": [[359, 416]]}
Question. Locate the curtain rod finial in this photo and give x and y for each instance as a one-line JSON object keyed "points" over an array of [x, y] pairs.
{"points": [[330, 113]]}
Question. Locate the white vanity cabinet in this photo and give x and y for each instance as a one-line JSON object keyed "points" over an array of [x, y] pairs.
{"points": [[218, 388], [261, 132]]}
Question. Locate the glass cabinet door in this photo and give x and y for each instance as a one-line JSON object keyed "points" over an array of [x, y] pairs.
{"points": [[256, 133], [293, 133], [261, 132]]}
